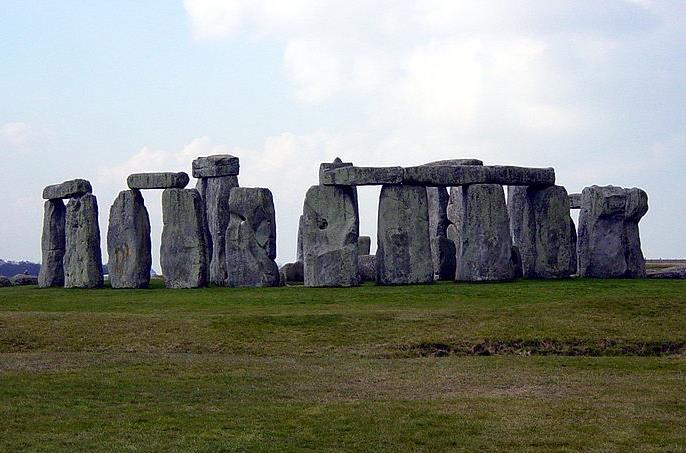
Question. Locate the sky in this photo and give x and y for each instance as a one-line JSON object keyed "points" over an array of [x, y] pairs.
{"points": [[102, 89]]}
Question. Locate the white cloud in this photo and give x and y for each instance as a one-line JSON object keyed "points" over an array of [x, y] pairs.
{"points": [[15, 134]]}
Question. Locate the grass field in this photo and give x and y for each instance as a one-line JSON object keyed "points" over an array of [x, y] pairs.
{"points": [[550, 365]]}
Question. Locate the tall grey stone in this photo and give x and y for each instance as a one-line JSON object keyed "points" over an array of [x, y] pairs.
{"points": [[215, 193], [364, 245], [482, 234], [128, 241], [251, 239], [442, 248], [53, 244], [609, 243], [299, 244], [542, 230], [82, 256], [366, 268], [403, 254], [330, 233], [182, 250]]}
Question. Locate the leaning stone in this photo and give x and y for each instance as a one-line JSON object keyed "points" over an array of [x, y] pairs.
{"points": [[609, 243], [403, 255], [24, 280], [4, 281], [251, 239], [128, 242], [82, 257], [216, 166], [165, 180], [364, 245], [442, 248], [541, 229], [366, 268], [53, 244], [292, 272], [67, 189], [215, 195], [330, 234], [361, 176], [299, 244], [574, 201], [483, 243], [182, 252]]}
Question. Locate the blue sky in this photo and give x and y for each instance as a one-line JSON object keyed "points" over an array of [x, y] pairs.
{"points": [[100, 89]]}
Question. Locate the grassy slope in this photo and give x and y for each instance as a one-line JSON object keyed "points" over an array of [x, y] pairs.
{"points": [[346, 368]]}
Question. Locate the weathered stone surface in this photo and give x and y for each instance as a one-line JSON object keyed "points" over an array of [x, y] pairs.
{"points": [[215, 194], [403, 254], [299, 245], [216, 166], [482, 233], [292, 272], [361, 176], [455, 162], [183, 255], [442, 248], [366, 268], [53, 244], [251, 239], [673, 272], [4, 281], [542, 230], [609, 242], [164, 180], [67, 189], [128, 242], [458, 175], [574, 201], [337, 163], [364, 245], [330, 234], [517, 262], [24, 280], [82, 256]]}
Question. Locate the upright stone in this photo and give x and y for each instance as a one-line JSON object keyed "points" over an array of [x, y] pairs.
{"points": [[442, 248], [364, 245], [403, 253], [482, 233], [182, 251], [299, 245], [82, 257], [53, 244], [128, 241], [330, 233], [609, 242], [251, 239], [542, 230]]}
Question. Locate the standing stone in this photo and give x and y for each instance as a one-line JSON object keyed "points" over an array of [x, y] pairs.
{"points": [[541, 229], [299, 245], [366, 268], [128, 241], [251, 239], [330, 233], [482, 234], [403, 253], [52, 244], [364, 245], [182, 251], [609, 242], [442, 248], [215, 194], [82, 257]]}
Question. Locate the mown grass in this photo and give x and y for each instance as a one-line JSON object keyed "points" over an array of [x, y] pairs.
{"points": [[549, 365]]}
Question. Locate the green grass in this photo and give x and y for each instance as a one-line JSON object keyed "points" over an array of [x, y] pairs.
{"points": [[530, 365]]}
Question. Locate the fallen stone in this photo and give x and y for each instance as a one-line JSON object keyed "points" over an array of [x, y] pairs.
{"points": [[403, 255], [182, 251], [364, 245], [482, 238], [24, 280], [361, 176], [366, 268], [574, 201], [216, 166], [165, 180], [292, 272], [330, 236], [128, 242], [68, 189], [442, 248], [53, 244], [4, 281], [251, 239], [609, 245], [215, 194], [542, 230], [674, 272], [82, 256]]}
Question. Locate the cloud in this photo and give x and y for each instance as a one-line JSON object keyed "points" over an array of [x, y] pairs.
{"points": [[15, 134]]}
